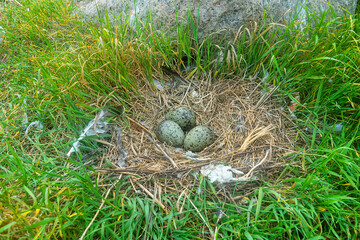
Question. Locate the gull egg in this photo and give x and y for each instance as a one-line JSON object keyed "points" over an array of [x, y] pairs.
{"points": [[170, 132], [183, 116], [199, 138]]}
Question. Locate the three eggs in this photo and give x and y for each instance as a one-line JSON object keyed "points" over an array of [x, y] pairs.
{"points": [[179, 121]]}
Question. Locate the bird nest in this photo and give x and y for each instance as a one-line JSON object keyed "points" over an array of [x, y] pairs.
{"points": [[254, 136]]}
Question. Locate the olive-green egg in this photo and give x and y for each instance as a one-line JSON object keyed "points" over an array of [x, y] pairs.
{"points": [[199, 138], [183, 116], [171, 133]]}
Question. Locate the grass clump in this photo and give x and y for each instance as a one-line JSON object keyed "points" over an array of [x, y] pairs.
{"points": [[58, 70]]}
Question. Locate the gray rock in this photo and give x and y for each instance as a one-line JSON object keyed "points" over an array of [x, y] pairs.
{"points": [[214, 15]]}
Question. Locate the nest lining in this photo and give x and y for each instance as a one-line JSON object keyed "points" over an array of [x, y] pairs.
{"points": [[253, 134]]}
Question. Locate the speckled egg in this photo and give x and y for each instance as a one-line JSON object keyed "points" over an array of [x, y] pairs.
{"points": [[171, 133], [199, 138], [183, 116]]}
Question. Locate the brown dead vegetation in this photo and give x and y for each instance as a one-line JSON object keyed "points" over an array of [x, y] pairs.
{"points": [[254, 135]]}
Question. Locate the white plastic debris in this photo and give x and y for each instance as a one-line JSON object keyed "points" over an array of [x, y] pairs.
{"points": [[336, 128], [240, 128], [190, 154], [178, 149], [132, 20], [220, 57], [35, 124], [302, 17], [2, 34], [266, 75], [194, 94], [221, 173], [158, 85], [95, 126]]}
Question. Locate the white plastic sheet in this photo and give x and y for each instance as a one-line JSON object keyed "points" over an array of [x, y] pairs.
{"points": [[94, 127], [221, 173], [25, 122], [2, 34]]}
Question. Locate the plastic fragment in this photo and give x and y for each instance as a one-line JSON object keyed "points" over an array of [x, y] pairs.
{"points": [[158, 85], [95, 126], [35, 124], [336, 128], [221, 173], [2, 34]]}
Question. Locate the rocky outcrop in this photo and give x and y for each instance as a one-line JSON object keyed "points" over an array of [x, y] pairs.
{"points": [[213, 15]]}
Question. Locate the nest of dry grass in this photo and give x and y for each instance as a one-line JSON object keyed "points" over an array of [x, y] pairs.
{"points": [[253, 133]]}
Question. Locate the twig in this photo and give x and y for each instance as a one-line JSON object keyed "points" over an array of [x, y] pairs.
{"points": [[265, 97], [167, 156], [153, 197], [257, 165], [173, 171], [18, 3], [137, 125], [295, 125], [221, 214], [98, 211], [185, 93]]}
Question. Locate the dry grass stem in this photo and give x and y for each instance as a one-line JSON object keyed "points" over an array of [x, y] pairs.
{"points": [[97, 212], [153, 197], [257, 165], [163, 151], [202, 218]]}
